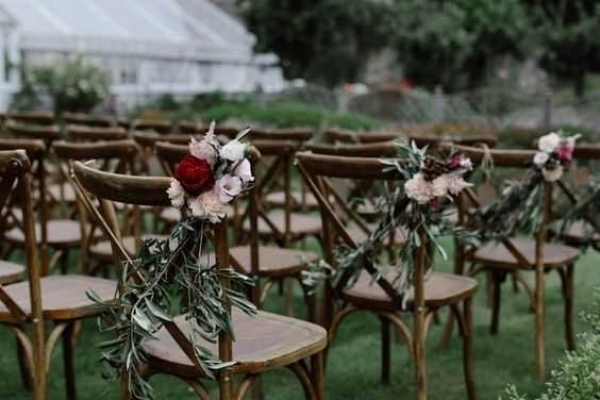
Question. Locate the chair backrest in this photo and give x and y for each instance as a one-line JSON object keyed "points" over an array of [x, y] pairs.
{"points": [[109, 188], [94, 121], [47, 133], [116, 156], [521, 161], [84, 133], [16, 180], [36, 152], [161, 126], [383, 149], [33, 117], [333, 136], [318, 170]]}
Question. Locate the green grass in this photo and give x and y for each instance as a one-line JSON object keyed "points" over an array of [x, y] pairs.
{"points": [[353, 369]]}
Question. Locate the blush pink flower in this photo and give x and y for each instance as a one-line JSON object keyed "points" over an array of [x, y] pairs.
{"points": [[456, 183], [244, 171], [418, 189], [440, 186], [460, 161], [203, 150], [228, 187], [209, 206]]}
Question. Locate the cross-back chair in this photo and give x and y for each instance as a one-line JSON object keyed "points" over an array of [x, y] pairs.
{"points": [[45, 118], [29, 305], [114, 156], [519, 254], [160, 126], [586, 230], [84, 133], [262, 342], [377, 295], [92, 121], [59, 234]]}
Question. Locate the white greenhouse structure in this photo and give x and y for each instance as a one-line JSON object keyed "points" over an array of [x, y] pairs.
{"points": [[150, 47]]}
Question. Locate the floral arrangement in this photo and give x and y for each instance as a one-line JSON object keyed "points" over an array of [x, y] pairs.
{"points": [[437, 180], [174, 276], [211, 176], [555, 152], [418, 203]]}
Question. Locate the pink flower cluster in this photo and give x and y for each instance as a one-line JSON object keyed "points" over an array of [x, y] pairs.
{"points": [[555, 153], [425, 191], [211, 176]]}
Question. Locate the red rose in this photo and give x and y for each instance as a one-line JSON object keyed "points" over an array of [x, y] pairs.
{"points": [[195, 175], [565, 153]]}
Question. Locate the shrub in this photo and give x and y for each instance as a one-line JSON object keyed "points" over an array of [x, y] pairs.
{"points": [[71, 84], [578, 375], [283, 115]]}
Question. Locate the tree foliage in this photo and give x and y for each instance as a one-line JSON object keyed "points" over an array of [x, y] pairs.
{"points": [[325, 41]]}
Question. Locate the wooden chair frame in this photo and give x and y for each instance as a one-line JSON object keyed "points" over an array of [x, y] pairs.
{"points": [[316, 169], [108, 187]]}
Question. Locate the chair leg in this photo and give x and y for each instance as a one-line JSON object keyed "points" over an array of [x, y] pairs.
{"points": [[386, 359], [467, 334], [496, 282], [69, 368], [317, 374], [568, 297], [540, 346], [24, 369]]}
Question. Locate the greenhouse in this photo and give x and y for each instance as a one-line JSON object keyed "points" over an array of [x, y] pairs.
{"points": [[150, 47]]}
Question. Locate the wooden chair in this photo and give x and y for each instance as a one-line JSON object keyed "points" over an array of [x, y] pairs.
{"points": [[92, 121], [263, 342], [378, 295], [114, 156], [516, 255], [160, 126], [273, 264], [45, 118], [83, 133], [585, 231], [28, 305], [61, 235]]}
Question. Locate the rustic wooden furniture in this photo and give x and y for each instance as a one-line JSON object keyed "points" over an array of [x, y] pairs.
{"points": [[114, 156], [160, 126], [521, 254], [45, 118], [378, 295], [42, 298], [92, 121], [83, 133], [263, 342]]}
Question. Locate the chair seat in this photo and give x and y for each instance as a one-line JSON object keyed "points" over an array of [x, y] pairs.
{"points": [[63, 297], [495, 254], [11, 272], [61, 233], [300, 224], [103, 249], [274, 262], [278, 199], [262, 342], [580, 232], [440, 289]]}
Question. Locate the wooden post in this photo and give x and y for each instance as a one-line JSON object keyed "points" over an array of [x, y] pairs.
{"points": [[540, 276], [225, 339], [419, 316]]}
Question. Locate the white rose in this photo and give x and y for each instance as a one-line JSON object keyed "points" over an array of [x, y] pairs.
{"points": [[233, 151], [540, 158], [176, 193], [549, 142]]}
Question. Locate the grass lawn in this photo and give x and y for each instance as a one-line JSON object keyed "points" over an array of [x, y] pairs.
{"points": [[353, 369]]}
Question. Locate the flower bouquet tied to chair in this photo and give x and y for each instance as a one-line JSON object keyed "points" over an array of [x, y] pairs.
{"points": [[177, 275]]}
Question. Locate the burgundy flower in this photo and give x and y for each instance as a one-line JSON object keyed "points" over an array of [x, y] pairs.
{"points": [[195, 175], [565, 153]]}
